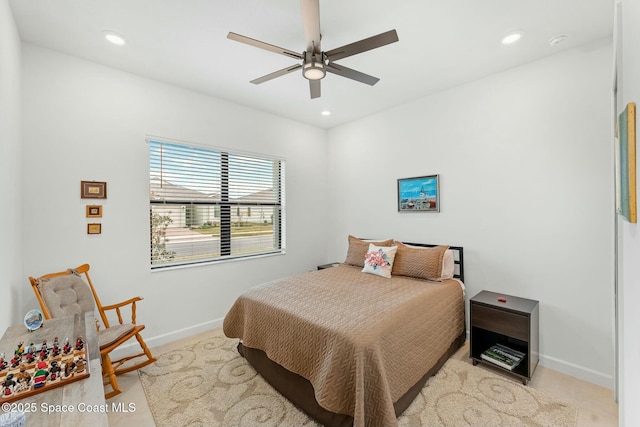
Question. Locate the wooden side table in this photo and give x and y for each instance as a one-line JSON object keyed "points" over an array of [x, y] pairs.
{"points": [[332, 264], [79, 403], [513, 323]]}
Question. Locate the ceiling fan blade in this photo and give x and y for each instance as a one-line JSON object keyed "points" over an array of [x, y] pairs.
{"points": [[314, 88], [349, 73], [311, 23], [363, 45], [275, 74], [263, 45]]}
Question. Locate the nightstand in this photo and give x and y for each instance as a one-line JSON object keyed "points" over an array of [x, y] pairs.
{"points": [[513, 323], [332, 264]]}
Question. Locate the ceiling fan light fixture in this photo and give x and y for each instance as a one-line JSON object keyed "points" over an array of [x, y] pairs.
{"points": [[313, 68], [314, 71]]}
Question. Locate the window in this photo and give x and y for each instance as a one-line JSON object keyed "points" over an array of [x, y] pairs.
{"points": [[208, 204]]}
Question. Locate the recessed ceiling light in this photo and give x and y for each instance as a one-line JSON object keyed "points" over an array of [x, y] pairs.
{"points": [[114, 37], [512, 37], [555, 40], [326, 113]]}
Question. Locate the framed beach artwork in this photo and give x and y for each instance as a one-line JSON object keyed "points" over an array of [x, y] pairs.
{"points": [[625, 156], [419, 194]]}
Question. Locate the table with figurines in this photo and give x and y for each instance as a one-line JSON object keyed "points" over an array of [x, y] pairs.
{"points": [[53, 374]]}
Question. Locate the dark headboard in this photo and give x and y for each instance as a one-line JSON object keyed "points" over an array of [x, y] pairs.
{"points": [[458, 256]]}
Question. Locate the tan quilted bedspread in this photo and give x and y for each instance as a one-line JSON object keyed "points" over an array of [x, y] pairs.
{"points": [[360, 339]]}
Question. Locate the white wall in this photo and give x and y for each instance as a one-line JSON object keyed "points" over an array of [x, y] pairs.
{"points": [[84, 121], [10, 166], [628, 75], [525, 163]]}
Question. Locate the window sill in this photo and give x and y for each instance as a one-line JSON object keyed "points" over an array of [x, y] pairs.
{"points": [[214, 262]]}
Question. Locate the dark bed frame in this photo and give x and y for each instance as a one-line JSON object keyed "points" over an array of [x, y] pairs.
{"points": [[300, 391]]}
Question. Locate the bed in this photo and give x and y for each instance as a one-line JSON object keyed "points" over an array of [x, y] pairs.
{"points": [[352, 348]]}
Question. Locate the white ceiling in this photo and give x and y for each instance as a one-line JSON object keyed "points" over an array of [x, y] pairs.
{"points": [[183, 42]]}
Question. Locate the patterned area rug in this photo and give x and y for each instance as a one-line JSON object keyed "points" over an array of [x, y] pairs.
{"points": [[207, 383]]}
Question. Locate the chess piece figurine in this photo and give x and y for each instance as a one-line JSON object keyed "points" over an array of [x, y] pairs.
{"points": [[67, 347], [20, 350], [40, 378], [55, 347], [80, 364], [3, 363], [54, 371], [15, 361], [79, 343], [8, 385], [31, 349], [23, 377], [68, 368]]}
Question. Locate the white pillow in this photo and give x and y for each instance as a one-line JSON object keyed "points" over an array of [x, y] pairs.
{"points": [[379, 260], [448, 265]]}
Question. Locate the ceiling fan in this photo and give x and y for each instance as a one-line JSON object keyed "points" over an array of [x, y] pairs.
{"points": [[315, 62]]}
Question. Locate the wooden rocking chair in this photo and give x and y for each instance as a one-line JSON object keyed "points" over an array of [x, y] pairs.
{"points": [[65, 293]]}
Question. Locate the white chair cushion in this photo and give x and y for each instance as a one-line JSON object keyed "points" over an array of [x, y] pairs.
{"points": [[66, 295]]}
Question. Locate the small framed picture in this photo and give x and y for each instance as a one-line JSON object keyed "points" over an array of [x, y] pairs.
{"points": [[95, 228], [419, 194], [93, 190], [94, 211]]}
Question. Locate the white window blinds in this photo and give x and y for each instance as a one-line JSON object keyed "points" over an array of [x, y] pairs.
{"points": [[208, 204]]}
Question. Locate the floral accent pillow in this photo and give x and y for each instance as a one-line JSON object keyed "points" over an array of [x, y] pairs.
{"points": [[379, 260]]}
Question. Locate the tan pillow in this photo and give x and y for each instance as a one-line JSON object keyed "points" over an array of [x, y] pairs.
{"points": [[422, 263], [358, 249]]}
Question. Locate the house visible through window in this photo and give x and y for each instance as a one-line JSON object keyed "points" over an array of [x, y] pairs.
{"points": [[208, 204]]}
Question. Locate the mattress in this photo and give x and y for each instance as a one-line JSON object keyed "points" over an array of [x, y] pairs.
{"points": [[361, 340]]}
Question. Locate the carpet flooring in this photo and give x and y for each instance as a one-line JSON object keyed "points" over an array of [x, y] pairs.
{"points": [[207, 383]]}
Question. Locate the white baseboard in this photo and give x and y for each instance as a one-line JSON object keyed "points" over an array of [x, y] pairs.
{"points": [[577, 371], [132, 346]]}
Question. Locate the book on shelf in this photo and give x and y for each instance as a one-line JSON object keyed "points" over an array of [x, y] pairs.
{"points": [[503, 356]]}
